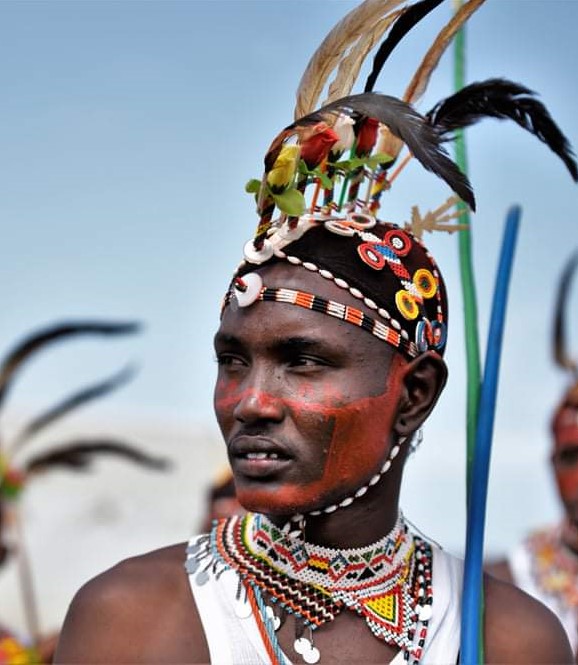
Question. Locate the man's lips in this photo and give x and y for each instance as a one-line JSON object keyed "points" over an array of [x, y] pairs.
{"points": [[257, 456]]}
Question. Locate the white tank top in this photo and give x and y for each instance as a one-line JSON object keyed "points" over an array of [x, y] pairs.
{"points": [[233, 636]]}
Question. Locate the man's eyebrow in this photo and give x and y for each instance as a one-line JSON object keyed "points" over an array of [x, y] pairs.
{"points": [[226, 339], [298, 344], [291, 344]]}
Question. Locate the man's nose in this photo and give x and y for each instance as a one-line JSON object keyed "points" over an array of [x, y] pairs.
{"points": [[260, 399]]}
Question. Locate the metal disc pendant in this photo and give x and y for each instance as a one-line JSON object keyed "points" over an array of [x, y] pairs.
{"points": [[306, 650], [301, 644], [243, 609], [312, 656], [202, 578], [271, 615], [192, 565]]}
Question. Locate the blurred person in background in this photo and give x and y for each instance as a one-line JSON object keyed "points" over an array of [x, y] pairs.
{"points": [[221, 500], [545, 563]]}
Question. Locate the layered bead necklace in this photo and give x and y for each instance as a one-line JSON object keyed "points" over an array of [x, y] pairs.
{"points": [[387, 583]]}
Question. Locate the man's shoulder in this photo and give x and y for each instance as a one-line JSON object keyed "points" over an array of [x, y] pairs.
{"points": [[159, 573], [142, 605], [521, 629]]}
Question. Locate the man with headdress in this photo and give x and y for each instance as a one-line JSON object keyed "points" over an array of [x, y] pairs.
{"points": [[545, 563], [330, 353]]}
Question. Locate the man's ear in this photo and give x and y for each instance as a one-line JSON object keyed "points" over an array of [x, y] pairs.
{"points": [[424, 379]]}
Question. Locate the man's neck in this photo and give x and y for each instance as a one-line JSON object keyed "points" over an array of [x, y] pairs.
{"points": [[365, 521]]}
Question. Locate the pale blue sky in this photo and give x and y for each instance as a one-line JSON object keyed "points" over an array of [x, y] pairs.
{"points": [[128, 130]]}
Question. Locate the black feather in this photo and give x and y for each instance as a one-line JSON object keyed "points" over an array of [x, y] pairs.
{"points": [[502, 99], [80, 454], [424, 142], [406, 21], [38, 340], [560, 344], [71, 403]]}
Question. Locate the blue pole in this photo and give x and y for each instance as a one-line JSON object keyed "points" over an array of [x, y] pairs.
{"points": [[472, 616]]}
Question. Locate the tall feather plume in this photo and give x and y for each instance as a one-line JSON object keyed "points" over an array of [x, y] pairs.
{"points": [[406, 124], [81, 453], [560, 343], [15, 359], [350, 65], [502, 99], [419, 82], [404, 23], [71, 403], [331, 51], [421, 78]]}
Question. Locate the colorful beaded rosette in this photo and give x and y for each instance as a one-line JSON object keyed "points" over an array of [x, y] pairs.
{"points": [[387, 583]]}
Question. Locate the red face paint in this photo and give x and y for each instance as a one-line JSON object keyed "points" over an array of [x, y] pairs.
{"points": [[565, 458], [352, 441]]}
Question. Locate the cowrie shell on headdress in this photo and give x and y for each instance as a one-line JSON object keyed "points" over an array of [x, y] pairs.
{"points": [[250, 289]]}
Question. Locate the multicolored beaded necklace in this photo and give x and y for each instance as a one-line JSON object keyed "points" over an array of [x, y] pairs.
{"points": [[387, 583], [555, 567]]}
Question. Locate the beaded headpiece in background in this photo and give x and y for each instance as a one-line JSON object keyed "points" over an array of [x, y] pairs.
{"points": [[325, 175]]}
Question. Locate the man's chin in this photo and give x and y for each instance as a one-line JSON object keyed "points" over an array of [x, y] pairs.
{"points": [[276, 501]]}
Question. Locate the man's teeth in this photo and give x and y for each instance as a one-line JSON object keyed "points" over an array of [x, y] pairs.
{"points": [[262, 456]]}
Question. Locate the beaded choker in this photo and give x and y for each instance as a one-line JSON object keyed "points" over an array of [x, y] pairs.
{"points": [[387, 583]]}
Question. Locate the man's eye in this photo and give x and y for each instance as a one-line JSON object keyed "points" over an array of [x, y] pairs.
{"points": [[229, 360], [308, 361]]}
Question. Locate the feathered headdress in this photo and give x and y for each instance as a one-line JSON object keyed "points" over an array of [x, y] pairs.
{"points": [[345, 149], [329, 168]]}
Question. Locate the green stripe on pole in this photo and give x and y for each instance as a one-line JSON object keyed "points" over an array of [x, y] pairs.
{"points": [[471, 333]]}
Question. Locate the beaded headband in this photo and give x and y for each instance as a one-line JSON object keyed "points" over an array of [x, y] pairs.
{"points": [[386, 268]]}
